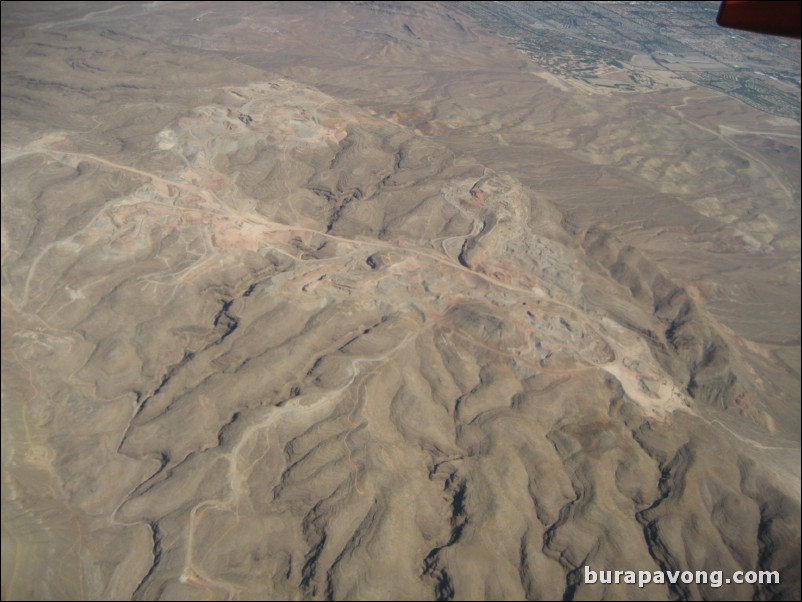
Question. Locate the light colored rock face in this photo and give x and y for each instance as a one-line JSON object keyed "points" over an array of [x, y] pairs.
{"points": [[344, 302]]}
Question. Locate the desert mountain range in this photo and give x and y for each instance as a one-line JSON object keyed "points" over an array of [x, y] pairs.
{"points": [[362, 301]]}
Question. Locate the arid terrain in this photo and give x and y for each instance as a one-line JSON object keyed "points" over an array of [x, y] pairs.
{"points": [[397, 301]]}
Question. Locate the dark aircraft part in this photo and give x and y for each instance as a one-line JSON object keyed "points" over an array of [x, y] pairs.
{"points": [[775, 18]]}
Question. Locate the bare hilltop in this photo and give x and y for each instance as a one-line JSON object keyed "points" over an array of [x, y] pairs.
{"points": [[397, 301]]}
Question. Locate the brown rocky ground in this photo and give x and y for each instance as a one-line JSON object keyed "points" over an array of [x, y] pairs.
{"points": [[352, 302]]}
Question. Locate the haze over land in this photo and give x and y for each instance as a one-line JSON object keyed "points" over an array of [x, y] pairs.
{"points": [[397, 300]]}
